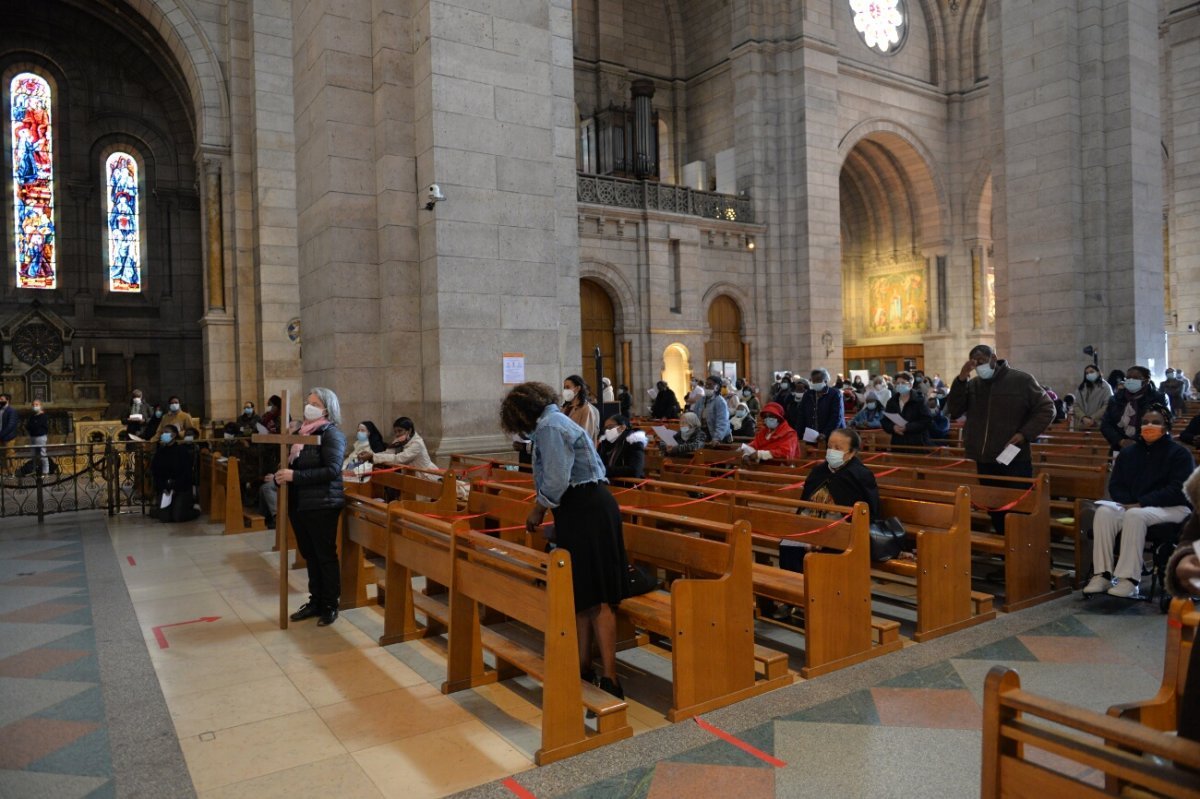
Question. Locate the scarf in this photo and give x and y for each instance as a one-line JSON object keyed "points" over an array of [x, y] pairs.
{"points": [[1127, 420], [306, 429]]}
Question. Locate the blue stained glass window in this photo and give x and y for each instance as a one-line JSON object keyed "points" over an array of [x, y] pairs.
{"points": [[124, 224], [33, 181]]}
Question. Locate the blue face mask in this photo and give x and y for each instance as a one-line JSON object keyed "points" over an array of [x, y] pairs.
{"points": [[835, 458], [902, 389], [166, 438], [362, 436], [1133, 385]]}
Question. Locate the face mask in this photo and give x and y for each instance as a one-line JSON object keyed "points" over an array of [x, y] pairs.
{"points": [[568, 394], [271, 408], [818, 386], [872, 405], [785, 386], [166, 438], [903, 388], [985, 371], [1133, 385], [612, 434], [835, 457], [248, 411], [1092, 377], [229, 436], [1150, 433], [684, 430], [362, 435], [158, 414], [798, 394], [741, 412], [37, 408], [312, 413], [746, 394], [174, 407], [189, 438], [708, 392], [771, 422], [724, 391]]}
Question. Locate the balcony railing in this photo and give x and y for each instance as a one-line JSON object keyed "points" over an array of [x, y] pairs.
{"points": [[652, 196]]}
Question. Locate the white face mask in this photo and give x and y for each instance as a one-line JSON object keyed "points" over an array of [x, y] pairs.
{"points": [[985, 371], [568, 394], [684, 430], [612, 434], [1133, 385], [818, 386], [835, 457], [312, 413], [173, 407], [741, 412], [189, 438], [771, 422], [1092, 377]]}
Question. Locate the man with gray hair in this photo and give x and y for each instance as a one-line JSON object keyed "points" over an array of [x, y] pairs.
{"points": [[1004, 407]]}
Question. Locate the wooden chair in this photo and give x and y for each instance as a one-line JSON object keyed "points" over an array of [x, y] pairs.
{"points": [[1136, 760]]}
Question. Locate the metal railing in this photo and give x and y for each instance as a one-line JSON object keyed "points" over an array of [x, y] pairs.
{"points": [[653, 196], [62, 478]]}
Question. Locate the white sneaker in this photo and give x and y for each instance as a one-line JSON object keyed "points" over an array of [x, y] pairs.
{"points": [[1097, 585], [1127, 589]]}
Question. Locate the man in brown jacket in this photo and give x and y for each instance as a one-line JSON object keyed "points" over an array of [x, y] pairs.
{"points": [[1003, 406]]}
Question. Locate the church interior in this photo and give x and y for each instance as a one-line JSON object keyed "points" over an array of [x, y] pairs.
{"points": [[421, 206]]}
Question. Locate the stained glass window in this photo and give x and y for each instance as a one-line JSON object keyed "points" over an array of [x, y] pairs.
{"points": [[124, 224], [879, 22], [33, 181]]}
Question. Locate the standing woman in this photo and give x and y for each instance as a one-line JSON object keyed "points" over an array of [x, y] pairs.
{"points": [[315, 501], [569, 477], [575, 404], [1094, 394]]}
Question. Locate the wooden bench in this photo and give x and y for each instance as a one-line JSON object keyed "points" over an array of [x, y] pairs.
{"points": [[708, 616], [225, 500], [1015, 723], [1161, 712], [535, 589]]}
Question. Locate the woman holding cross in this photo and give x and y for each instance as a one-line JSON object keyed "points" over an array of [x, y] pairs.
{"points": [[315, 502]]}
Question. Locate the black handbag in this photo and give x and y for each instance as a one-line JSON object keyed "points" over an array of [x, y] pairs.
{"points": [[638, 581], [888, 539]]}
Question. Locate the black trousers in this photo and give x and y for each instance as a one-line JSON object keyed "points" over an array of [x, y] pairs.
{"points": [[316, 538], [1014, 469]]}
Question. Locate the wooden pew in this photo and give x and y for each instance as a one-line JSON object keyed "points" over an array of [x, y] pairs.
{"points": [[205, 469], [533, 588], [708, 616], [225, 502], [364, 528], [1016, 722], [1161, 712]]}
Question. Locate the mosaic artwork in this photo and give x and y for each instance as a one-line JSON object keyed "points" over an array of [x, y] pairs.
{"points": [[33, 181], [124, 236], [897, 303]]}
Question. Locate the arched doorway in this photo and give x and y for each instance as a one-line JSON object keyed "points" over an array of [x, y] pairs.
{"points": [[597, 321], [676, 369], [725, 339]]}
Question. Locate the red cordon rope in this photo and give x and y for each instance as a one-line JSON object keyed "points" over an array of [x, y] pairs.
{"points": [[1007, 507], [952, 464], [886, 472], [713, 495], [631, 488]]}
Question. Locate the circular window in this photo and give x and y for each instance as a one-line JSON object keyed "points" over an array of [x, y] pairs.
{"points": [[882, 24]]}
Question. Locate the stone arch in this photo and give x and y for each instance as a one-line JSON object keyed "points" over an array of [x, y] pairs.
{"points": [[196, 59], [917, 162], [619, 291], [735, 293], [974, 204], [972, 46]]}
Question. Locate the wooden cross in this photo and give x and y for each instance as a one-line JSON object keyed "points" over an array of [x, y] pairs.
{"points": [[282, 523]]}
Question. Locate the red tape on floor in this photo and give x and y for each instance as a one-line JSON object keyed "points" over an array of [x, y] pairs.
{"points": [[745, 747], [518, 789]]}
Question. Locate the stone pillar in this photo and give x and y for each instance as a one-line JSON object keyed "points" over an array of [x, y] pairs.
{"points": [[1078, 183], [495, 128], [214, 236], [217, 324], [1182, 139]]}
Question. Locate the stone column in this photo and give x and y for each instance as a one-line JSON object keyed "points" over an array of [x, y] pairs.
{"points": [[1182, 139], [214, 236], [1078, 179], [217, 324]]}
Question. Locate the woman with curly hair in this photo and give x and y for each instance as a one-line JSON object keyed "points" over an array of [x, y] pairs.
{"points": [[569, 477]]}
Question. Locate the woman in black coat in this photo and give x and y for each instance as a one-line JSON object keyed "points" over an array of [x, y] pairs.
{"points": [[172, 470], [622, 450], [666, 404], [912, 407], [315, 501]]}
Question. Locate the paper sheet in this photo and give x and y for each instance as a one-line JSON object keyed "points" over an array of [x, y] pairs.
{"points": [[1007, 454], [665, 434], [132, 437], [652, 393], [165, 502], [136, 417], [810, 435], [261, 429], [897, 419]]}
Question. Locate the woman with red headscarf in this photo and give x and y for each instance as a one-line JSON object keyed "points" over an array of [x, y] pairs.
{"points": [[775, 440]]}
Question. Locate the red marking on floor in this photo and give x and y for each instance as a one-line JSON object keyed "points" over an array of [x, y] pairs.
{"points": [[745, 747], [161, 637], [132, 562], [518, 789]]}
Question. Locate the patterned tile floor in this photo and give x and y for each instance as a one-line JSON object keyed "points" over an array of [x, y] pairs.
{"points": [[249, 710]]}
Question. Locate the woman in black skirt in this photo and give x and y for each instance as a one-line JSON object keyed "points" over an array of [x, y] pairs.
{"points": [[569, 478]]}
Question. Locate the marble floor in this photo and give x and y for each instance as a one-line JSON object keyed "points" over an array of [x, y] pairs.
{"points": [[261, 712]]}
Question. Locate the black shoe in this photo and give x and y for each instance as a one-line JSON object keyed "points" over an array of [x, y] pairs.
{"points": [[307, 611], [328, 616], [588, 675], [612, 686]]}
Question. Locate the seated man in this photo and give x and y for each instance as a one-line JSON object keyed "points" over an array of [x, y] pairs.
{"points": [[1146, 488]]}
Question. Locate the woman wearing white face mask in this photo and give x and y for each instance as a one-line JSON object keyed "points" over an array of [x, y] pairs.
{"points": [[1093, 398], [367, 439], [575, 398], [1122, 421], [623, 450], [690, 438], [742, 423], [315, 502], [912, 408]]}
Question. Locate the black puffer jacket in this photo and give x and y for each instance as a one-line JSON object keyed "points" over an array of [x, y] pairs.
{"points": [[317, 473]]}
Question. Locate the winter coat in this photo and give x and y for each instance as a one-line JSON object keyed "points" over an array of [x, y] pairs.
{"points": [[1110, 425], [626, 457], [317, 472], [916, 414], [1011, 402]]}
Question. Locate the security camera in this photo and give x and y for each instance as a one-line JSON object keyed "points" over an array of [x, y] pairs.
{"points": [[435, 195]]}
